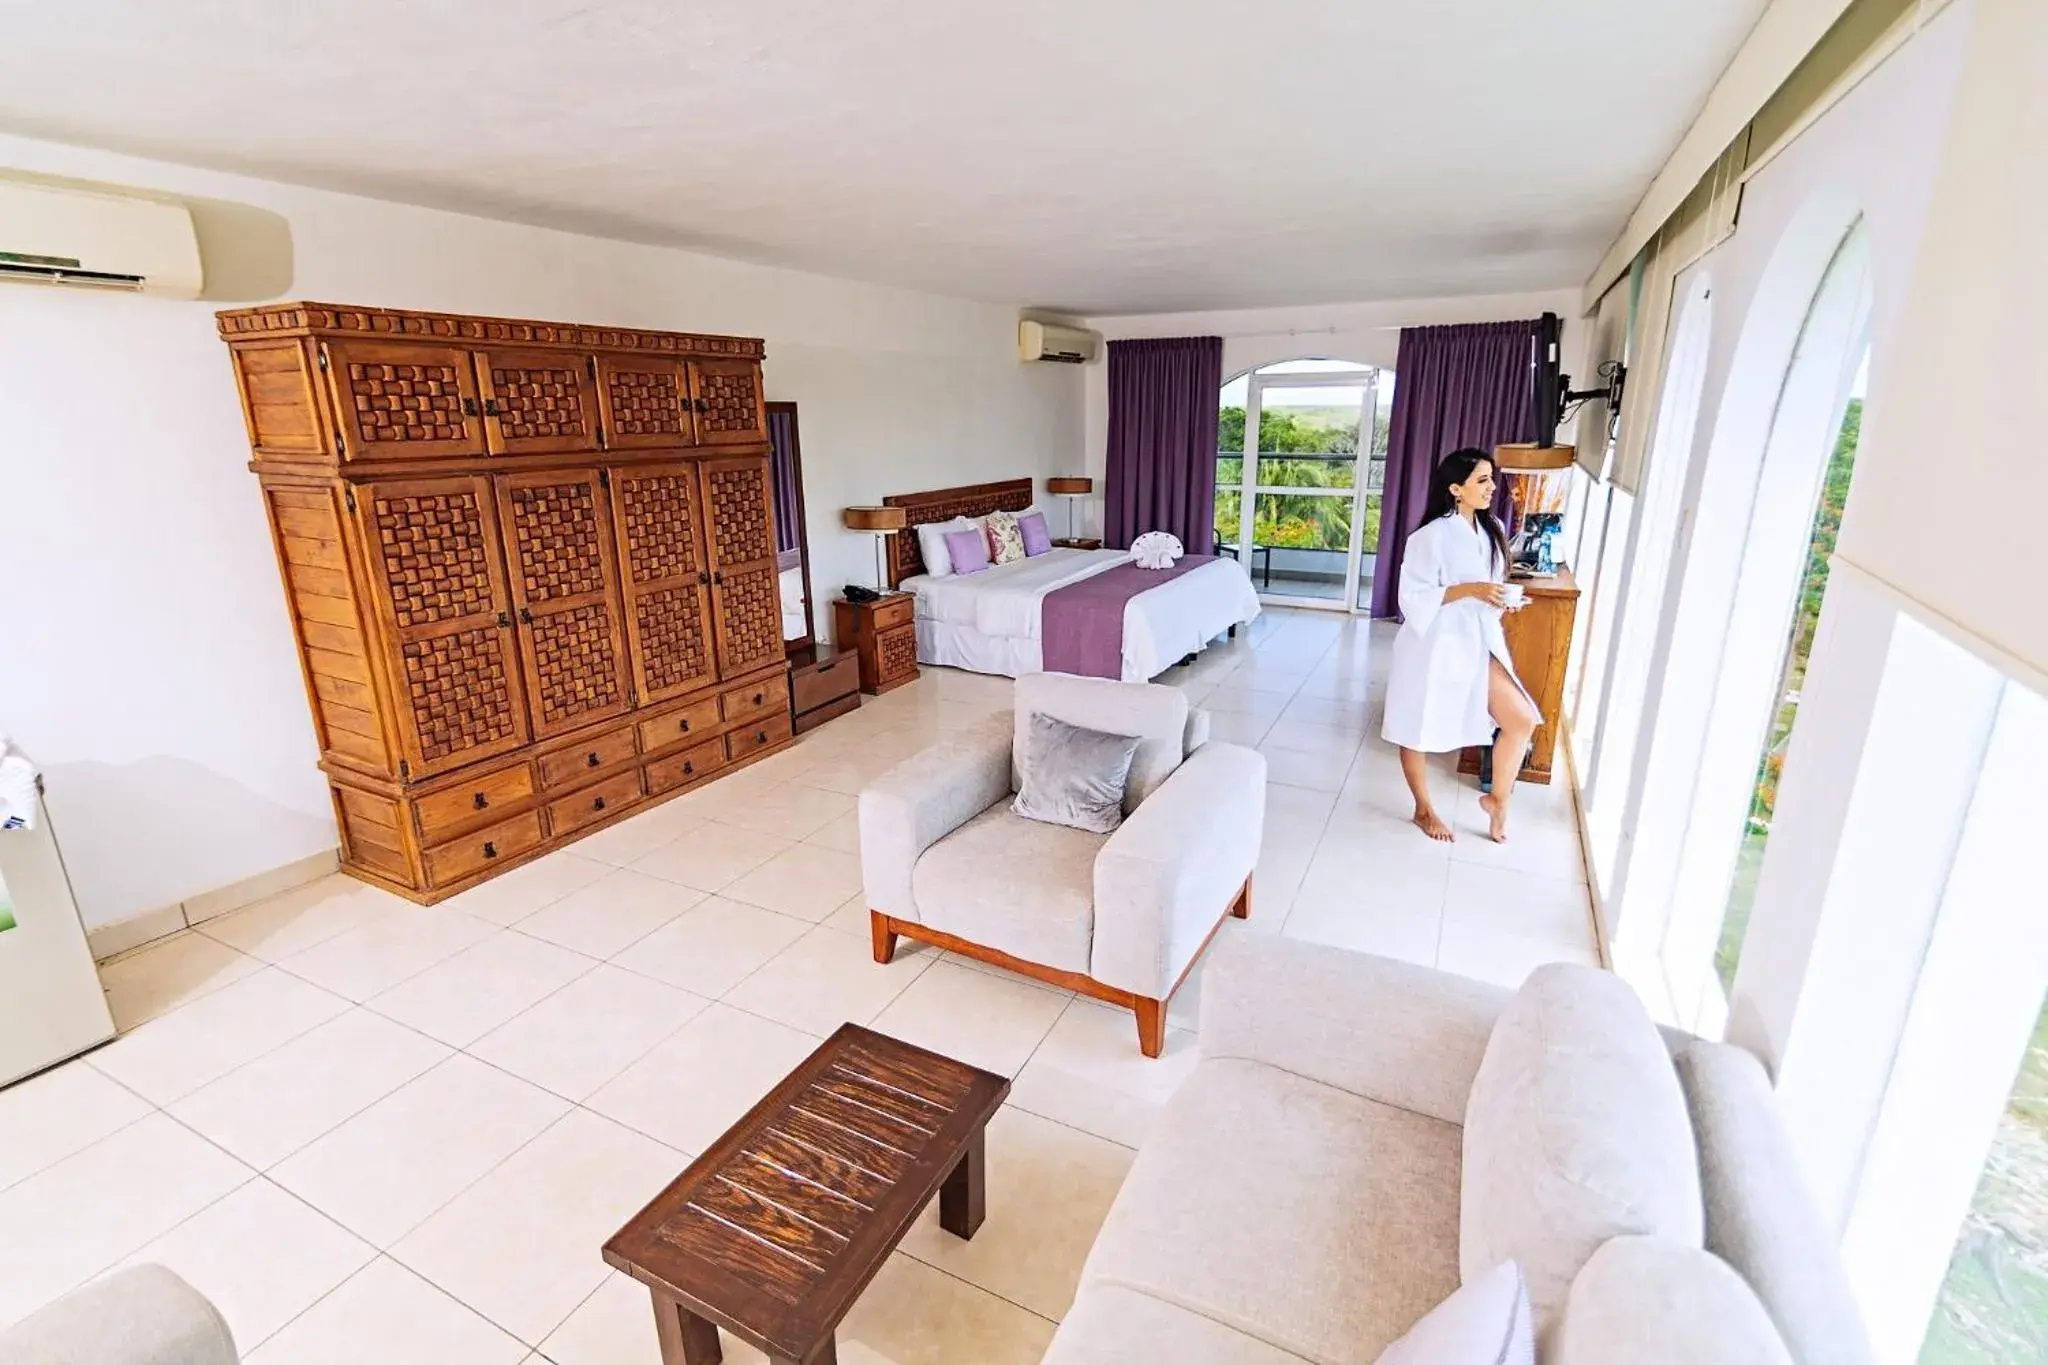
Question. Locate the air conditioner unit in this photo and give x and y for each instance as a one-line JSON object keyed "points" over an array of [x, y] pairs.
{"points": [[51, 235], [1064, 345]]}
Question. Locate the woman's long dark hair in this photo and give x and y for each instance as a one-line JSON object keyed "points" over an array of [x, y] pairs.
{"points": [[1454, 469]]}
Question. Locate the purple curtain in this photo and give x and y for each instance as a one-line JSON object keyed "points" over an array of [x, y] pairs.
{"points": [[1465, 385], [782, 440], [1165, 397]]}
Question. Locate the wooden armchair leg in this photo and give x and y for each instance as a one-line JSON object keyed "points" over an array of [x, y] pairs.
{"points": [[884, 936], [1151, 1025], [1242, 906]]}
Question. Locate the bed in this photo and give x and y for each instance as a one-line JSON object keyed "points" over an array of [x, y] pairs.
{"points": [[991, 622]]}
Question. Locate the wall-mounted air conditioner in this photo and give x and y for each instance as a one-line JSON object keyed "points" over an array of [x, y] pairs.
{"points": [[51, 235], [1064, 345]]}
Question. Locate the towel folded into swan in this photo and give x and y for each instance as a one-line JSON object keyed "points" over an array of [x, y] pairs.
{"points": [[1156, 550]]}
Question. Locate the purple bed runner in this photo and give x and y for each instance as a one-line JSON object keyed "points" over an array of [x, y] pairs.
{"points": [[1081, 626]]}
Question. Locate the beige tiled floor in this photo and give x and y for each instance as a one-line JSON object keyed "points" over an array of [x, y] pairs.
{"points": [[376, 1132]]}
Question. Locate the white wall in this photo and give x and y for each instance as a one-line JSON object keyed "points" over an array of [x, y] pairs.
{"points": [[1369, 333], [148, 663]]}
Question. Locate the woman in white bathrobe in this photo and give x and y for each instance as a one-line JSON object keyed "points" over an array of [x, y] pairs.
{"points": [[1452, 684]]}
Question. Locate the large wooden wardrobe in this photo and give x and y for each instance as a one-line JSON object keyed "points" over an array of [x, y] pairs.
{"points": [[531, 567]]}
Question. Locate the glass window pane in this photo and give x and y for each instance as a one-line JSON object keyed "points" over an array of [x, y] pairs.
{"points": [[1297, 424], [1305, 471], [1827, 523], [1312, 367], [1300, 544], [1994, 1301]]}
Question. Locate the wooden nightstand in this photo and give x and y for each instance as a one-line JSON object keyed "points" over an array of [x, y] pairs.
{"points": [[1080, 543], [884, 634]]}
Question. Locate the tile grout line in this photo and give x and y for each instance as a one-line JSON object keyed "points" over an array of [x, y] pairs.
{"points": [[1322, 836], [558, 1120]]}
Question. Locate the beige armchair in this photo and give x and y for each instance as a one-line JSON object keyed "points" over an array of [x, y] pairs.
{"points": [[1121, 917], [144, 1315]]}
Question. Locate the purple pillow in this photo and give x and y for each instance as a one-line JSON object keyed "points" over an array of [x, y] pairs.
{"points": [[968, 550], [1037, 540]]}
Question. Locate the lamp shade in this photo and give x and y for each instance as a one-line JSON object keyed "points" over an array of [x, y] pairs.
{"points": [[880, 520], [1069, 486], [1531, 457]]}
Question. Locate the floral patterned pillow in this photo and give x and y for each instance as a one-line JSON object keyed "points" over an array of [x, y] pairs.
{"points": [[1005, 540]]}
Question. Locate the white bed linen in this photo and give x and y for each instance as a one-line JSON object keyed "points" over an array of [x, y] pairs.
{"points": [[965, 647], [792, 590], [989, 621]]}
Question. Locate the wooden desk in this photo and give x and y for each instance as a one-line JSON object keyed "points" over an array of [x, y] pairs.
{"points": [[1540, 643]]}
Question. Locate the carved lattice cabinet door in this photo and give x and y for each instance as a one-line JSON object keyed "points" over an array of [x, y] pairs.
{"points": [[538, 402], [726, 395], [657, 511], [740, 525], [399, 400], [646, 402], [558, 548], [446, 618]]}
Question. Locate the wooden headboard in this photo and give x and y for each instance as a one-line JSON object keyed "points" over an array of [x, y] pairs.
{"points": [[906, 556]]}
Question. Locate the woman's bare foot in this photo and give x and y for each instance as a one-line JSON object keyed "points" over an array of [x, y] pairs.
{"points": [[1432, 824], [1497, 816]]}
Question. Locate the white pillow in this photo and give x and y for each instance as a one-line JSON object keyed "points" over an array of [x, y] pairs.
{"points": [[931, 543], [1485, 1322]]}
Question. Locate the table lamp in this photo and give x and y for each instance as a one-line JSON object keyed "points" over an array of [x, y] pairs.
{"points": [[1073, 488], [881, 523]]}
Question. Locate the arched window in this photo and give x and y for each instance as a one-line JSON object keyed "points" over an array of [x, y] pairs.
{"points": [[1813, 585], [1654, 523], [1772, 553]]}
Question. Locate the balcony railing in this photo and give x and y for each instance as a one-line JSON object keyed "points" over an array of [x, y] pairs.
{"points": [[1294, 469]]}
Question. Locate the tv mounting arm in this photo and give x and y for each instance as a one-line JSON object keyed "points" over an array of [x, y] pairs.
{"points": [[1571, 400]]}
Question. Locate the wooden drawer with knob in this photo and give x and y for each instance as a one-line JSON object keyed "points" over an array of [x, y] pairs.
{"points": [[825, 681], [471, 853], [679, 727], [897, 610], [451, 810], [594, 803], [757, 734], [566, 766], [691, 765], [757, 698]]}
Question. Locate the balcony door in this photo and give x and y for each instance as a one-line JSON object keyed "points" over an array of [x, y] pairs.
{"points": [[1301, 454]]}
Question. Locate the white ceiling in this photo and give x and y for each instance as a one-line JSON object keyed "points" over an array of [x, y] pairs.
{"points": [[1111, 156]]}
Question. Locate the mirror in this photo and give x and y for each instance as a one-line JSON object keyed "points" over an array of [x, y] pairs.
{"points": [[792, 544]]}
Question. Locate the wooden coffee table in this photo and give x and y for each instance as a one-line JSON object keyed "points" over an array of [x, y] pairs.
{"points": [[773, 1232]]}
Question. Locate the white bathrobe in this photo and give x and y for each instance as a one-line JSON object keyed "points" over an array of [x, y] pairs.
{"points": [[1436, 689]]}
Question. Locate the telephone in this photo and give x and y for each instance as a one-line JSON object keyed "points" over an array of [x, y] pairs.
{"points": [[861, 596]]}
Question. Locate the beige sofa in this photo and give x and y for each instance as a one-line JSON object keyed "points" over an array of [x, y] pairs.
{"points": [[1360, 1133], [1122, 916]]}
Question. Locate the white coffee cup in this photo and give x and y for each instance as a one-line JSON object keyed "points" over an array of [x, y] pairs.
{"points": [[1515, 594]]}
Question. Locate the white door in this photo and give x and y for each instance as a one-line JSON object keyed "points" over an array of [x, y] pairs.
{"points": [[51, 1005], [1298, 492]]}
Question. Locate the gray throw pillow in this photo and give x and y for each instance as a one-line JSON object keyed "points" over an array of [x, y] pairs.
{"points": [[1075, 777]]}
